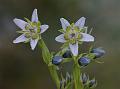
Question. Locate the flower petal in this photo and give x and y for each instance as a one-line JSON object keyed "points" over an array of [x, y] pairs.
{"points": [[64, 23], [33, 43], [34, 16], [43, 28], [60, 38], [87, 37], [21, 38], [74, 48], [81, 22], [20, 23]]}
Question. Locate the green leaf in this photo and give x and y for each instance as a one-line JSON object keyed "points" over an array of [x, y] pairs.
{"points": [[80, 55], [69, 86], [62, 51], [45, 52], [38, 24], [90, 49], [65, 45], [90, 55], [90, 30], [85, 29], [62, 31], [20, 32], [27, 20], [65, 60]]}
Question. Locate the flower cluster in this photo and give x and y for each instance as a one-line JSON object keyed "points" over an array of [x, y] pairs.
{"points": [[73, 35]]}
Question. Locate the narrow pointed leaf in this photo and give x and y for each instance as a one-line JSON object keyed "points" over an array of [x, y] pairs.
{"points": [[45, 52]]}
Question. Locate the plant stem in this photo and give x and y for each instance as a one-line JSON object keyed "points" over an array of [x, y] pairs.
{"points": [[76, 75], [54, 76], [47, 59]]}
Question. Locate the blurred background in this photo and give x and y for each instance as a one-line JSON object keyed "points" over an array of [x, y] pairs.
{"points": [[22, 68]]}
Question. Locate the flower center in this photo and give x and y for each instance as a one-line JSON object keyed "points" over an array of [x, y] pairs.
{"points": [[31, 32], [72, 34]]}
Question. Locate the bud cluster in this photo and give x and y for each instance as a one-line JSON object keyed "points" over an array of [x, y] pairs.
{"points": [[87, 82]]}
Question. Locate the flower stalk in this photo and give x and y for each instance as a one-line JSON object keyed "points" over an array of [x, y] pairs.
{"points": [[76, 77], [47, 57], [54, 76]]}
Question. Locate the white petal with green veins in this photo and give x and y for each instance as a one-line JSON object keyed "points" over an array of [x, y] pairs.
{"points": [[33, 43], [21, 38], [74, 48], [43, 28], [86, 37], [60, 38], [81, 22], [20, 23], [64, 23], [34, 16]]}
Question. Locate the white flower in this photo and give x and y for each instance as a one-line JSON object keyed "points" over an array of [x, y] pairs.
{"points": [[73, 34], [31, 30]]}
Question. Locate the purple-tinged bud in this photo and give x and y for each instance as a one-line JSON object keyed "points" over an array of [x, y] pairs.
{"points": [[92, 83], [84, 61], [57, 60], [98, 52], [84, 78], [67, 54]]}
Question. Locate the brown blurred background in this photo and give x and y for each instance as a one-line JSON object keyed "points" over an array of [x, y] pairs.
{"points": [[22, 68]]}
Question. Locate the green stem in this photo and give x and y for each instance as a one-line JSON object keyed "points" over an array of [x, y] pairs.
{"points": [[76, 75], [47, 57], [54, 76]]}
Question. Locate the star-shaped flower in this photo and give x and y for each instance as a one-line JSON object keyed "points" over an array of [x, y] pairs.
{"points": [[74, 34], [31, 30]]}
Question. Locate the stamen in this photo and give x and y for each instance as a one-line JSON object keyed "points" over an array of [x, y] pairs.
{"points": [[72, 35]]}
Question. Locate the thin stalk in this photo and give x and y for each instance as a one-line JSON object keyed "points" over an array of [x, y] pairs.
{"points": [[47, 59], [54, 76], [76, 75]]}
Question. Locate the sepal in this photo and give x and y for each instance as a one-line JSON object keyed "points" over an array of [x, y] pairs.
{"points": [[62, 31]]}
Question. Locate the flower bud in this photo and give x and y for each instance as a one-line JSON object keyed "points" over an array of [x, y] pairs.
{"points": [[57, 60], [84, 78], [68, 77], [84, 61], [98, 52], [67, 54], [62, 84], [92, 83]]}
